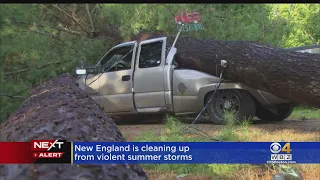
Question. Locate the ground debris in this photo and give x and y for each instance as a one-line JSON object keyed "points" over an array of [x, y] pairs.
{"points": [[287, 173]]}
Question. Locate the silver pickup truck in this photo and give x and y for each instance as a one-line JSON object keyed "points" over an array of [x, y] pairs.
{"points": [[143, 77]]}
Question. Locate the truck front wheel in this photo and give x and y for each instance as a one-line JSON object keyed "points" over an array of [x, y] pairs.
{"points": [[237, 101]]}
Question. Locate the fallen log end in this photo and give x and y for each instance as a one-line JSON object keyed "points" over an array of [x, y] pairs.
{"points": [[58, 109]]}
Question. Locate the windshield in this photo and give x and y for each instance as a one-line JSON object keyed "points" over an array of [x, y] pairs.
{"points": [[121, 55]]}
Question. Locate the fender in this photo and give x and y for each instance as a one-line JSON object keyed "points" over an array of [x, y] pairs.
{"points": [[262, 97]]}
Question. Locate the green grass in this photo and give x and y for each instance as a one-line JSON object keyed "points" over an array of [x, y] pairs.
{"points": [[176, 131], [225, 170], [228, 132], [305, 113]]}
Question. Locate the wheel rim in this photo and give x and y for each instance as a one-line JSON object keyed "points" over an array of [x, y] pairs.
{"points": [[228, 101]]}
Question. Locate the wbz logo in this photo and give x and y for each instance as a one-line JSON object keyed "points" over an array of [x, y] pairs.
{"points": [[285, 151]]}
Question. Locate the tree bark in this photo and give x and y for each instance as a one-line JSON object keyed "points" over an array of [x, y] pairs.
{"points": [[58, 109], [289, 75]]}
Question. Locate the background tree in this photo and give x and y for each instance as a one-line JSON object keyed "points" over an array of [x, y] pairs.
{"points": [[40, 41]]}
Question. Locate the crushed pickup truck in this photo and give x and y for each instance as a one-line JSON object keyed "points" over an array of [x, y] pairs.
{"points": [[143, 77]]}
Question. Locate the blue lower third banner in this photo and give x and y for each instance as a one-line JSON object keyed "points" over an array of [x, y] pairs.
{"points": [[196, 152]]}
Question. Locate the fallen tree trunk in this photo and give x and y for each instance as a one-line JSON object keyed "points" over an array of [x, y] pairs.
{"points": [[59, 109], [290, 75]]}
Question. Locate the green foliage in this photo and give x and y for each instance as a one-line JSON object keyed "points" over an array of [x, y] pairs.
{"points": [[32, 35], [23, 48], [305, 113], [228, 132], [304, 22], [224, 170], [174, 132]]}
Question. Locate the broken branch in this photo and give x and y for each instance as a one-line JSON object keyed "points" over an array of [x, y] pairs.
{"points": [[28, 69], [11, 96], [75, 20], [90, 18]]}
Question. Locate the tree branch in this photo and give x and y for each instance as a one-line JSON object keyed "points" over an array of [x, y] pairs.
{"points": [[52, 36], [94, 8], [28, 69], [203, 6], [169, 9], [90, 18], [11, 96], [59, 28], [75, 20], [44, 34]]}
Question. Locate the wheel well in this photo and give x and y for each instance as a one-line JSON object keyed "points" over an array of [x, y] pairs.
{"points": [[206, 97], [210, 92]]}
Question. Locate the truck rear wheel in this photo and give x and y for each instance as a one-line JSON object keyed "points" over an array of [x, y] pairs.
{"points": [[283, 112], [239, 101]]}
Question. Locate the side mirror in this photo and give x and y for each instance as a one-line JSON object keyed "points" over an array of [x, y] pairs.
{"points": [[224, 63], [81, 71]]}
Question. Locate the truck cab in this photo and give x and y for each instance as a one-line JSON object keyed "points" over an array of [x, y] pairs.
{"points": [[143, 77]]}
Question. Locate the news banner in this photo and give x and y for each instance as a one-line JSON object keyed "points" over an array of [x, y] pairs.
{"points": [[59, 151]]}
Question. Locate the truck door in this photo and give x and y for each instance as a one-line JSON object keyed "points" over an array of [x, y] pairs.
{"points": [[91, 84], [116, 86], [149, 76]]}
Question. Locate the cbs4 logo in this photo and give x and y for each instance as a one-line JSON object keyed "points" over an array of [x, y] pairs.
{"points": [[277, 148]]}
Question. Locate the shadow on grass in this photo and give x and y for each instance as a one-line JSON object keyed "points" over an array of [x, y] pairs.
{"points": [[300, 126]]}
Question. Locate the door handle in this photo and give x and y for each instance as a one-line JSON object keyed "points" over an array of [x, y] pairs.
{"points": [[126, 78]]}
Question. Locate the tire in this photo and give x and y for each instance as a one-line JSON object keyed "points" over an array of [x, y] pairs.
{"points": [[241, 101], [284, 111]]}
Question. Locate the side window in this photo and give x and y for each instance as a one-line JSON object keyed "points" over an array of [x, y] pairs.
{"points": [[118, 59], [150, 55]]}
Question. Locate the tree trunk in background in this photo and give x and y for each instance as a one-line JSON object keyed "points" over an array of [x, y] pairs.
{"points": [[290, 75], [59, 109]]}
